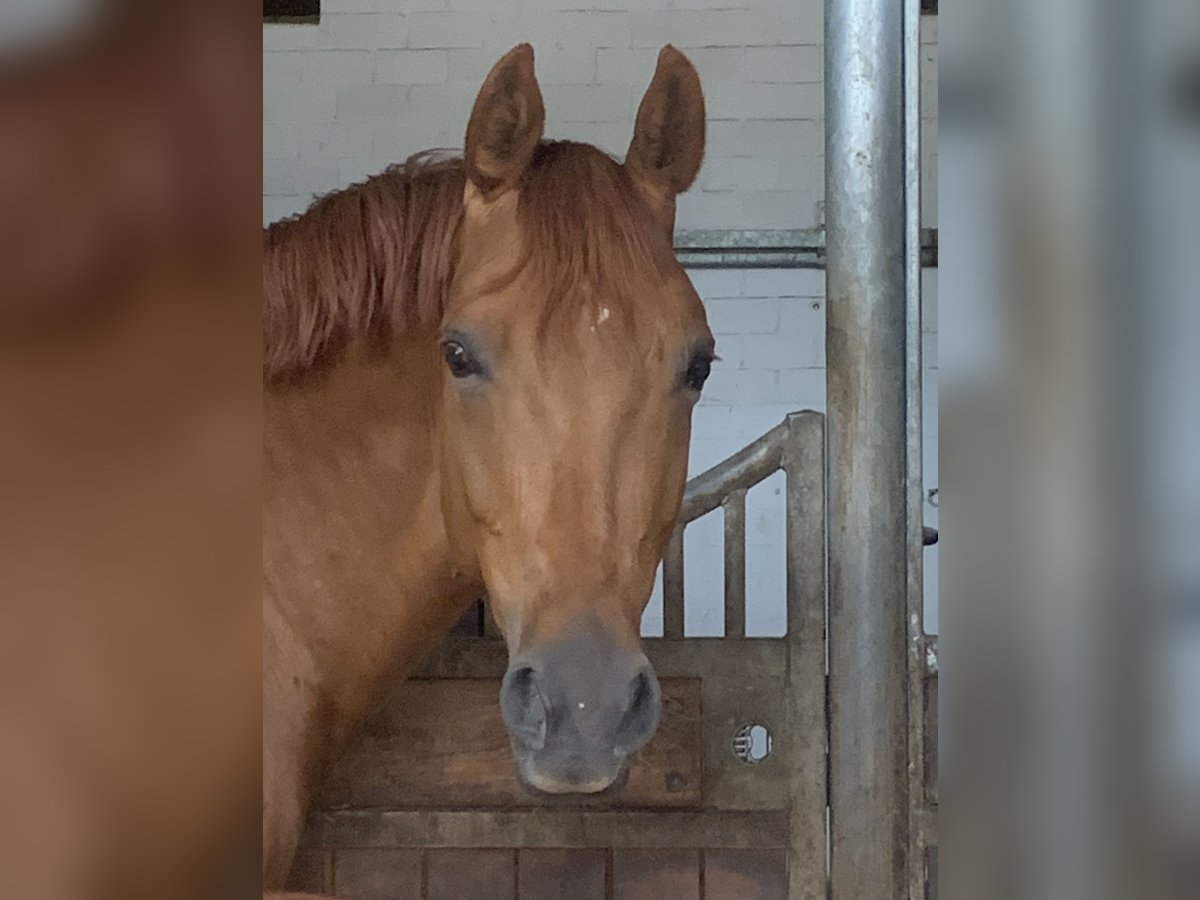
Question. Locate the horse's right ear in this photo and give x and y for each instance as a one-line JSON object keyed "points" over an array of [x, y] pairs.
{"points": [[668, 140], [506, 123]]}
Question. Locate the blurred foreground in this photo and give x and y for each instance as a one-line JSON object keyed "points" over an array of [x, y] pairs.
{"points": [[1070, 353], [129, 453]]}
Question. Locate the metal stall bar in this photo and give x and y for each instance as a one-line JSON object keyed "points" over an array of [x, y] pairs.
{"points": [[735, 563], [866, 405], [804, 462], [673, 586], [919, 822]]}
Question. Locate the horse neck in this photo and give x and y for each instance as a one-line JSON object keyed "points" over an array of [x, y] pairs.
{"points": [[355, 549]]}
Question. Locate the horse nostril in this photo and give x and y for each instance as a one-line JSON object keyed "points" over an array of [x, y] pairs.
{"points": [[641, 715], [523, 708]]}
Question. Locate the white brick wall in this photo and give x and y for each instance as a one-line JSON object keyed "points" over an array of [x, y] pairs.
{"points": [[378, 80]]}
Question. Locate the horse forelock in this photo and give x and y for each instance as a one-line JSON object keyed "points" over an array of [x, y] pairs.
{"points": [[378, 258]]}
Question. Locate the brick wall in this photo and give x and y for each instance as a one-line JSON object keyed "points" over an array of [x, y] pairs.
{"points": [[371, 85]]}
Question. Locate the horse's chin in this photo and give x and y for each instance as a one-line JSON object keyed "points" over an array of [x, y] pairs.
{"points": [[552, 789]]}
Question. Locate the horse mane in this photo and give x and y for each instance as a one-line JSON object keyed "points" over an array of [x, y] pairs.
{"points": [[378, 257], [360, 261]]}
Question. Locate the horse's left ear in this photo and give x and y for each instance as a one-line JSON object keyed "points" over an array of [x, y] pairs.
{"points": [[668, 140], [506, 123]]}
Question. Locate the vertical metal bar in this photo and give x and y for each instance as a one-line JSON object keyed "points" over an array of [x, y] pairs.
{"points": [[914, 501], [866, 402], [735, 564], [804, 464], [673, 586]]}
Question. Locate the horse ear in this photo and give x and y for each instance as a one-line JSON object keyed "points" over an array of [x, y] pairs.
{"points": [[506, 123], [668, 140]]}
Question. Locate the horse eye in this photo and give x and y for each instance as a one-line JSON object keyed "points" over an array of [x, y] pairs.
{"points": [[697, 372], [458, 358]]}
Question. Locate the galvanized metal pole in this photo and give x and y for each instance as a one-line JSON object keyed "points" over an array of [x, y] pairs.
{"points": [[866, 402]]}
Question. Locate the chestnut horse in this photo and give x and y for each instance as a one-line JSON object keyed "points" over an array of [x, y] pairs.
{"points": [[480, 376]]}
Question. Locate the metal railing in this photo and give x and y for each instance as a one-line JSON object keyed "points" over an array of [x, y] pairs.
{"points": [[725, 485]]}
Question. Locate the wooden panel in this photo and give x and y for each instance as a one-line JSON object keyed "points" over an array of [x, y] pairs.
{"points": [[745, 875], [560, 874], [465, 657], [547, 828], [309, 872], [443, 744], [377, 874], [729, 704], [656, 875], [472, 875], [471, 622]]}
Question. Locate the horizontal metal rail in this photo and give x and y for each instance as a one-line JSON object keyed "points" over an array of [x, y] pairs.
{"points": [[740, 472], [771, 248]]}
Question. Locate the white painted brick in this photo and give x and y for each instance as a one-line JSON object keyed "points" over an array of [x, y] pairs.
{"points": [[743, 316], [635, 65], [784, 209], [411, 67], [281, 207], [803, 63], [768, 24], [559, 66], [329, 7], [337, 67], [796, 138], [802, 388], [710, 4], [590, 29], [431, 30], [801, 315], [335, 142], [713, 284], [590, 5], [798, 350], [281, 67], [369, 31], [807, 283], [718, 63], [367, 102], [741, 386], [626, 65], [294, 36], [704, 209], [399, 139], [733, 100], [436, 103], [590, 103], [482, 6], [299, 103], [298, 176], [611, 137], [746, 173], [352, 171], [554, 65], [281, 141]]}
